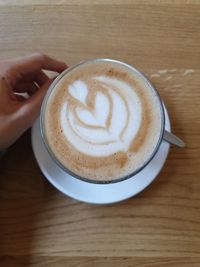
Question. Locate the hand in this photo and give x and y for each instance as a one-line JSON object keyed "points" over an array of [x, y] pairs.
{"points": [[23, 75]]}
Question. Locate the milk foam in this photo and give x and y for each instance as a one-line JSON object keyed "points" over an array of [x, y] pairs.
{"points": [[87, 129]]}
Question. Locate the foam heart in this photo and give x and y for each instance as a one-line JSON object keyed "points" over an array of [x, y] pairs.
{"points": [[98, 116], [79, 91]]}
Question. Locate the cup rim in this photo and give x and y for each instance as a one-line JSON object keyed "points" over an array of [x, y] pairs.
{"points": [[42, 115]]}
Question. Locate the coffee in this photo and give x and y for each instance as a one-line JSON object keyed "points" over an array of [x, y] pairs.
{"points": [[102, 120]]}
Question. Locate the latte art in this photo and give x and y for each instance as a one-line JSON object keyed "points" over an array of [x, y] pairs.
{"points": [[102, 121]]}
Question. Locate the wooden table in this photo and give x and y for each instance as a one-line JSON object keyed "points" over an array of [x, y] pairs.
{"points": [[39, 226]]}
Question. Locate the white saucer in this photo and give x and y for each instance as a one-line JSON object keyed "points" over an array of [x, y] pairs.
{"points": [[97, 193]]}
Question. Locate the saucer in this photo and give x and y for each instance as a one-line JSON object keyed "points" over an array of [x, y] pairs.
{"points": [[97, 193]]}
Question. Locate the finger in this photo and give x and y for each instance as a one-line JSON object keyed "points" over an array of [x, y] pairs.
{"points": [[30, 108], [38, 61], [29, 87], [20, 98], [41, 78]]}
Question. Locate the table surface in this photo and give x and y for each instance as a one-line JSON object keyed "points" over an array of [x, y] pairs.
{"points": [[39, 226]]}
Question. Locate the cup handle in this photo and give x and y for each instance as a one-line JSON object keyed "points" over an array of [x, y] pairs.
{"points": [[173, 139]]}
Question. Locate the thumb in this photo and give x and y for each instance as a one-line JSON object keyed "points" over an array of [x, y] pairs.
{"points": [[30, 108]]}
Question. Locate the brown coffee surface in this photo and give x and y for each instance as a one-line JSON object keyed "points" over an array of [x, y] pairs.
{"points": [[102, 121]]}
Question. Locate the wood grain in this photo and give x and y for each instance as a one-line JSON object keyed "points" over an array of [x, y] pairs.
{"points": [[98, 262], [161, 226]]}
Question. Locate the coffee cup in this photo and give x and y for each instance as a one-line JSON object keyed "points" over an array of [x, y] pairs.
{"points": [[102, 121]]}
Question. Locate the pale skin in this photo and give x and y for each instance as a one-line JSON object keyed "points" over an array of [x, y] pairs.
{"points": [[23, 75]]}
